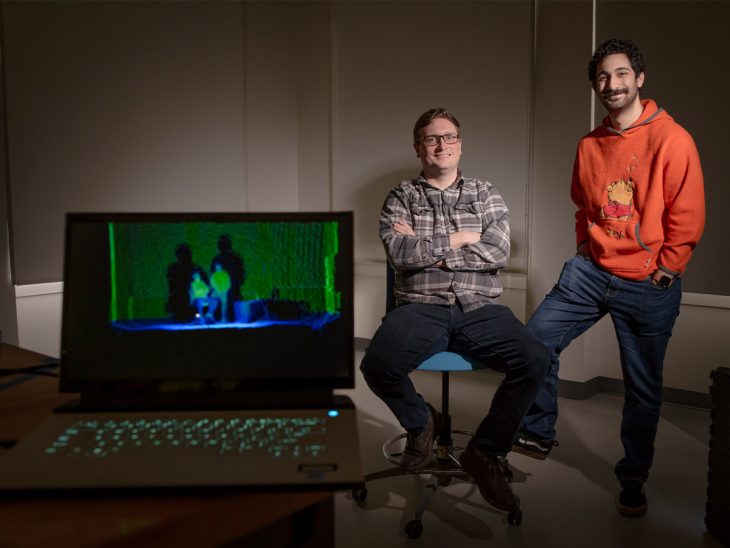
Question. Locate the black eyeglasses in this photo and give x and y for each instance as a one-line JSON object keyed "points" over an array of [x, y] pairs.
{"points": [[433, 140]]}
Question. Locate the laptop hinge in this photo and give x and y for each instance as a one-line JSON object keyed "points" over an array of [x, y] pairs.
{"points": [[196, 401]]}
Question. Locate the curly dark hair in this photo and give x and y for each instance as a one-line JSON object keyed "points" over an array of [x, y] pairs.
{"points": [[615, 45], [428, 117]]}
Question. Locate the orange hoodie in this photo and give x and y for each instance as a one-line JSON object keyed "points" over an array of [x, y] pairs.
{"points": [[640, 195]]}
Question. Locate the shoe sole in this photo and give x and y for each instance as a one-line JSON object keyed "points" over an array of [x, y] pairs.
{"points": [[631, 511], [529, 453]]}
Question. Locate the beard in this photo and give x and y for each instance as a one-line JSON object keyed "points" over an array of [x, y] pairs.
{"points": [[629, 96]]}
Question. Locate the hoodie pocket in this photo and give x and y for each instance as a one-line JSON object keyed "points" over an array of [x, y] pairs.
{"points": [[617, 246]]}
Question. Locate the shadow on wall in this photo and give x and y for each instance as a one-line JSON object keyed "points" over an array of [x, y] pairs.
{"points": [[369, 198]]}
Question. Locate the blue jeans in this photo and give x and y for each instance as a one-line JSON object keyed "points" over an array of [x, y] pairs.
{"points": [[412, 333], [643, 317]]}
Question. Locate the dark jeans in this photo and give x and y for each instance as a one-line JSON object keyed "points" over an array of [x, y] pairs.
{"points": [[413, 332], [643, 316]]}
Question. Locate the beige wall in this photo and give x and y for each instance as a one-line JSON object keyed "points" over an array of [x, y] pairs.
{"points": [[119, 106], [395, 60], [674, 37], [317, 112], [561, 116], [287, 106], [685, 49]]}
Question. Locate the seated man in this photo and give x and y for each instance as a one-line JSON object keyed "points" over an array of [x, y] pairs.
{"points": [[447, 236], [199, 294]]}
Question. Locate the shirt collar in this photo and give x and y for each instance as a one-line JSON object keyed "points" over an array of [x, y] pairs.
{"points": [[458, 182]]}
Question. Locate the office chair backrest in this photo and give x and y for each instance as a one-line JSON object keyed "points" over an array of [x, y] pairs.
{"points": [[389, 288]]}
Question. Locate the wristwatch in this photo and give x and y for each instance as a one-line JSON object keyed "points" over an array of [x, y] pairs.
{"points": [[665, 281]]}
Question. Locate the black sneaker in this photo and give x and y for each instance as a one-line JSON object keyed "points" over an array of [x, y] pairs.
{"points": [[488, 474], [533, 447], [419, 447], [632, 500]]}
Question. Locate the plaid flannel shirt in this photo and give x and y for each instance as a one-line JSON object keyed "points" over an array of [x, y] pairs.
{"points": [[470, 274]]}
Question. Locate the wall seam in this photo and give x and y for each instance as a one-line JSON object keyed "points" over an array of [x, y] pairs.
{"points": [[531, 140], [244, 113], [333, 104], [593, 48]]}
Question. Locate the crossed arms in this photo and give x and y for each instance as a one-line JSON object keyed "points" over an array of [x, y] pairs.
{"points": [[474, 237]]}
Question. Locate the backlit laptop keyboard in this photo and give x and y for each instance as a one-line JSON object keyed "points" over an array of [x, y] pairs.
{"points": [[279, 437]]}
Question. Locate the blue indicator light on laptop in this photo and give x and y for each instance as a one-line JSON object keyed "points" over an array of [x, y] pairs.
{"points": [[333, 413]]}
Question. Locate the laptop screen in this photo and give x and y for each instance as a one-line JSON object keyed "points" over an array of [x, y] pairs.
{"points": [[221, 301]]}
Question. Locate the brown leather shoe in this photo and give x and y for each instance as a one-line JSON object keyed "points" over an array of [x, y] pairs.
{"points": [[488, 474], [419, 448]]}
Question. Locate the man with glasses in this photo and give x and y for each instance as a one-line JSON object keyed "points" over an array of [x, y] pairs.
{"points": [[447, 237]]}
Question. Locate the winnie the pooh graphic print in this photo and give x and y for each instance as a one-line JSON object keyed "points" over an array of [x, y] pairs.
{"points": [[620, 200]]}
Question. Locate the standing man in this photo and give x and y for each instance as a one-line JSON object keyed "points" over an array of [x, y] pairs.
{"points": [[220, 287], [231, 263], [447, 237], [638, 187]]}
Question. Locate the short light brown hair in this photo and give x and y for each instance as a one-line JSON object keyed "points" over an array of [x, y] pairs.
{"points": [[428, 117]]}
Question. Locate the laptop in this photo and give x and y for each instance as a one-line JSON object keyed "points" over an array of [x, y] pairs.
{"points": [[206, 350]]}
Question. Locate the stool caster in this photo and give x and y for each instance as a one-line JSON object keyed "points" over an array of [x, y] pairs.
{"points": [[359, 494], [414, 528], [514, 517]]}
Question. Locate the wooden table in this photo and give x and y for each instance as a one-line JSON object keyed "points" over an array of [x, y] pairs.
{"points": [[235, 519]]}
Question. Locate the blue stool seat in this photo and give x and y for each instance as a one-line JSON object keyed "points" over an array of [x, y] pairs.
{"points": [[450, 361]]}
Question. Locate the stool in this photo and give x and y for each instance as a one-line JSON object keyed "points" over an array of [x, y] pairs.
{"points": [[445, 465]]}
